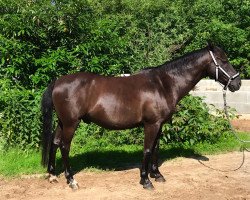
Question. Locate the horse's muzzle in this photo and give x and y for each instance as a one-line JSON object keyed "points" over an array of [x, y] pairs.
{"points": [[235, 85]]}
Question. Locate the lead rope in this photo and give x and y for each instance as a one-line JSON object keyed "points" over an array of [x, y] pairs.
{"points": [[243, 148], [228, 118]]}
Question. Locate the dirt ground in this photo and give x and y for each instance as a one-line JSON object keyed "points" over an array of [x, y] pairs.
{"points": [[242, 124], [206, 177], [186, 178]]}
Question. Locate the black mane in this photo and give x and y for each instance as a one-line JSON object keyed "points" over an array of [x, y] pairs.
{"points": [[178, 63]]}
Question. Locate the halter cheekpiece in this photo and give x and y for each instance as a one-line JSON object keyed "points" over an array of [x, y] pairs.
{"points": [[218, 67]]}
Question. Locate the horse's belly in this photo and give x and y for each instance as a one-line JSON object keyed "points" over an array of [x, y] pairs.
{"points": [[114, 116]]}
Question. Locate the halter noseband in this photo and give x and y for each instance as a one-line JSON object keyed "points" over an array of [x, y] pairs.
{"points": [[218, 67]]}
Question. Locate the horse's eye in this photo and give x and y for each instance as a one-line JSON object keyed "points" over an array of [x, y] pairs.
{"points": [[224, 62]]}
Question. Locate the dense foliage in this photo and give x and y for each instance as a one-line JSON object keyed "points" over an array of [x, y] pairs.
{"points": [[44, 39]]}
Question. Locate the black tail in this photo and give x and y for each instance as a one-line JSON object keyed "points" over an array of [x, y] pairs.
{"points": [[47, 123]]}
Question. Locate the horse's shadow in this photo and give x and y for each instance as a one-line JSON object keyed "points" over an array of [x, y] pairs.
{"points": [[122, 160]]}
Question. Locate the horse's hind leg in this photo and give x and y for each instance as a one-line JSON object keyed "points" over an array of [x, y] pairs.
{"points": [[67, 135], [154, 171], [52, 155]]}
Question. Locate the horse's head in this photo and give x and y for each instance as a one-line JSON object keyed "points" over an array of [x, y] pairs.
{"points": [[221, 70]]}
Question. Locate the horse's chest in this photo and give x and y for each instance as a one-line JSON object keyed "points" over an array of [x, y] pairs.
{"points": [[155, 106]]}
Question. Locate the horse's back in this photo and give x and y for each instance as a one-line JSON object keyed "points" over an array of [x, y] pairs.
{"points": [[88, 95]]}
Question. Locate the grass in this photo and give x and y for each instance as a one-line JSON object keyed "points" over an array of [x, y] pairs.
{"points": [[224, 145], [15, 162]]}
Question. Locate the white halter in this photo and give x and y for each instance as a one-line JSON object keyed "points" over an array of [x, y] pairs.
{"points": [[218, 67]]}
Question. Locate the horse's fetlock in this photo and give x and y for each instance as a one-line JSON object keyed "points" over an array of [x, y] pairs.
{"points": [[147, 152], [57, 141], [154, 168], [51, 169], [143, 174]]}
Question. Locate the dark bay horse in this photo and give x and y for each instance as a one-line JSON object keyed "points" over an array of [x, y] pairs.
{"points": [[147, 99]]}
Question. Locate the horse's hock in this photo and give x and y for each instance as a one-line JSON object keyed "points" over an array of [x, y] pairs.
{"points": [[212, 93]]}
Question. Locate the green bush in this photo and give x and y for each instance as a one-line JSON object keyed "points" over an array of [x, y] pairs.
{"points": [[193, 123], [20, 117], [41, 40], [93, 136]]}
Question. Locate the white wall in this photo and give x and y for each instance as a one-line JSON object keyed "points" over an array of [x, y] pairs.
{"points": [[212, 91]]}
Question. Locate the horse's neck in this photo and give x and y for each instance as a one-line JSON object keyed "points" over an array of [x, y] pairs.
{"points": [[185, 80], [188, 81]]}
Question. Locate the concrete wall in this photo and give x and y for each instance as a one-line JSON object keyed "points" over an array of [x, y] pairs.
{"points": [[212, 91]]}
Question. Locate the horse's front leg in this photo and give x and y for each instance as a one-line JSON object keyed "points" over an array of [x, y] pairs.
{"points": [[151, 133], [154, 169]]}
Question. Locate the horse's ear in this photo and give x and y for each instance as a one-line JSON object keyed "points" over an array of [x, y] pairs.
{"points": [[210, 45]]}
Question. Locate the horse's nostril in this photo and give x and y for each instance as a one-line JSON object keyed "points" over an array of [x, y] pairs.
{"points": [[239, 83]]}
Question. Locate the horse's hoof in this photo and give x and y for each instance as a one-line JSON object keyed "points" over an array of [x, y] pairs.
{"points": [[53, 179], [74, 185], [160, 179], [147, 184]]}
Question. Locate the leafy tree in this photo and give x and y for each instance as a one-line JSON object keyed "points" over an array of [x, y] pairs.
{"points": [[41, 40]]}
